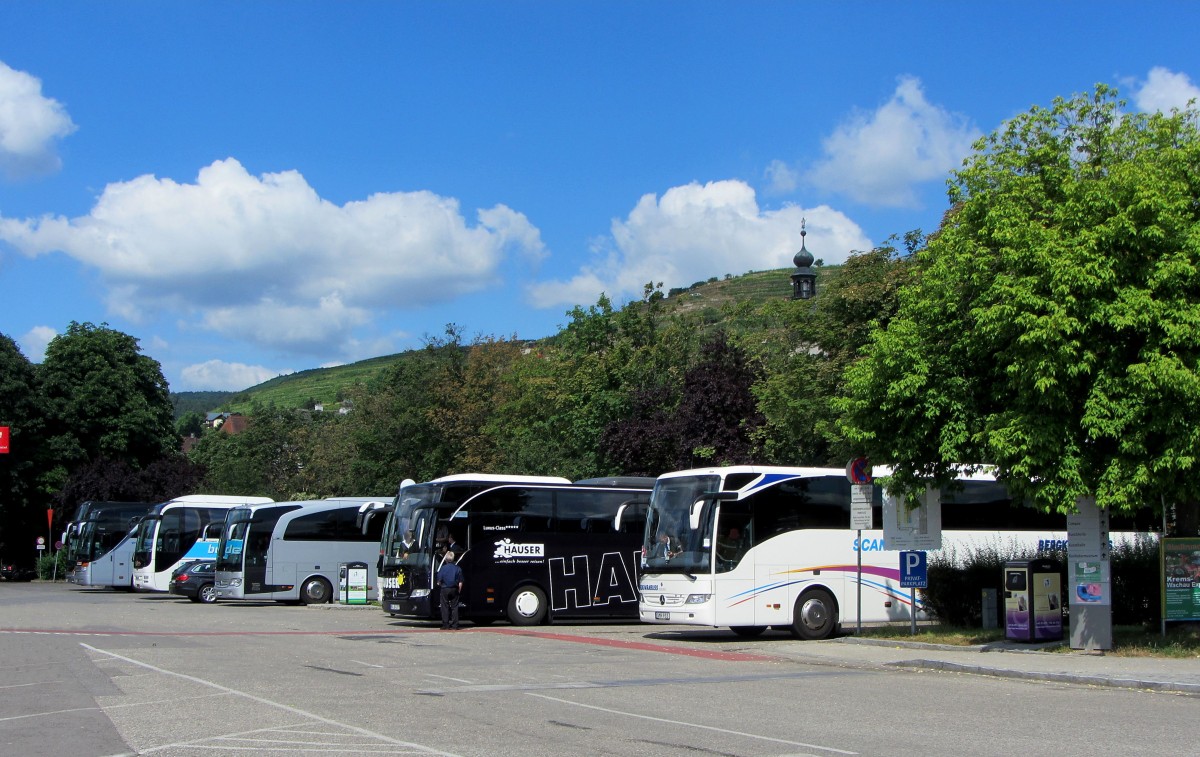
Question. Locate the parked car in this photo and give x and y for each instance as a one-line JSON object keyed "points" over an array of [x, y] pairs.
{"points": [[194, 580], [9, 572]]}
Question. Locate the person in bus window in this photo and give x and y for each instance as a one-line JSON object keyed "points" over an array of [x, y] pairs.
{"points": [[452, 545], [729, 546], [406, 544], [667, 547], [450, 581]]}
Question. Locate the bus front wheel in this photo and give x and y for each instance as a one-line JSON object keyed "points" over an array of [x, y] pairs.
{"points": [[816, 615], [316, 591], [527, 606]]}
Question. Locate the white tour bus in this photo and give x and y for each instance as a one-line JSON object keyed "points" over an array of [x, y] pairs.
{"points": [[103, 546], [752, 547], [174, 532], [292, 551]]}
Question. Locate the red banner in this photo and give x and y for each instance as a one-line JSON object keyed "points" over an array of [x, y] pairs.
{"points": [[3, 440]]}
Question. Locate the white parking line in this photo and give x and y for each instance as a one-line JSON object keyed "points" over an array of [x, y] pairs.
{"points": [[35, 683], [694, 725], [287, 708]]}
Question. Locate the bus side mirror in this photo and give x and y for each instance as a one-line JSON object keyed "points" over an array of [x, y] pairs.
{"points": [[698, 505]]}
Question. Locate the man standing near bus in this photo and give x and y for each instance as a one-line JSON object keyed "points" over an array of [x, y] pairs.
{"points": [[450, 581]]}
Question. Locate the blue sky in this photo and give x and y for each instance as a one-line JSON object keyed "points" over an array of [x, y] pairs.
{"points": [[252, 189]]}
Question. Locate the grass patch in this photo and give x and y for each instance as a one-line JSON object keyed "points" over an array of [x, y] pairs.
{"points": [[1182, 639]]}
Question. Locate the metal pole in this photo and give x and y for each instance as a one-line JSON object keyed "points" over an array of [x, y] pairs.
{"points": [[1162, 611], [913, 595], [858, 619]]}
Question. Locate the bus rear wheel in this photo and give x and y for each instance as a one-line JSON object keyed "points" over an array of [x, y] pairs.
{"points": [[316, 591], [815, 616], [527, 606]]}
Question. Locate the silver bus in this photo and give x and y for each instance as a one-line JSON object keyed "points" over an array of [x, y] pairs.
{"points": [[292, 551], [102, 548]]}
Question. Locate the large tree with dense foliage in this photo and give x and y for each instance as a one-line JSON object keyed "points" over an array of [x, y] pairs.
{"points": [[1053, 325], [707, 417], [22, 497], [104, 398]]}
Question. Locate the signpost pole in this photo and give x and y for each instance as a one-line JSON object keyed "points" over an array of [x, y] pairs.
{"points": [[913, 613], [858, 616], [858, 473], [914, 574]]}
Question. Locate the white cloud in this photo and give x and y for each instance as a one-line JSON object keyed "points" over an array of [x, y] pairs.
{"points": [[698, 231], [781, 178], [1164, 90], [29, 125], [217, 375], [877, 158], [34, 342], [266, 260]]}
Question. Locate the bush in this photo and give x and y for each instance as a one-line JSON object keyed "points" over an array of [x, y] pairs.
{"points": [[957, 580], [46, 564], [1136, 577]]}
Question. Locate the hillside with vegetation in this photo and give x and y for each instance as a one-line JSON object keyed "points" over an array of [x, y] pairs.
{"points": [[718, 303]]}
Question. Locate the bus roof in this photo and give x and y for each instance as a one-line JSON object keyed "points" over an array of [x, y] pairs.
{"points": [[757, 469], [622, 482], [215, 500], [499, 478]]}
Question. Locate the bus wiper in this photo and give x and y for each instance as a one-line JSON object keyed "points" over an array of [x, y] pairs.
{"points": [[689, 576]]}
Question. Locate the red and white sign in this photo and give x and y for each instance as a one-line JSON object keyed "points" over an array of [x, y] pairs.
{"points": [[3, 440]]}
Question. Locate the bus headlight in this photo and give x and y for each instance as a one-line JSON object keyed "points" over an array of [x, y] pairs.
{"points": [[697, 599], [235, 582], [418, 593]]}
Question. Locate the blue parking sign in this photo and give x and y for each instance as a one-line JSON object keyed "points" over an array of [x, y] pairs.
{"points": [[914, 569]]}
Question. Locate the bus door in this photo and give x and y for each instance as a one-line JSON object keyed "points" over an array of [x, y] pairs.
{"points": [[416, 571], [734, 575]]}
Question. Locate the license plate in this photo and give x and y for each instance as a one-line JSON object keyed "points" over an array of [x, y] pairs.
{"points": [[662, 616]]}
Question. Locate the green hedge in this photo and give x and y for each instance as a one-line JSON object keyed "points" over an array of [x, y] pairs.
{"points": [[957, 579]]}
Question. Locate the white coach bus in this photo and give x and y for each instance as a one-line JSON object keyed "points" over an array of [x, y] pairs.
{"points": [[750, 547], [174, 532]]}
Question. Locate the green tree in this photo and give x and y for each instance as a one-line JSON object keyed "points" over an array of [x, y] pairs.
{"points": [[105, 399], [1053, 326], [806, 348], [267, 459], [22, 499], [600, 363], [190, 423]]}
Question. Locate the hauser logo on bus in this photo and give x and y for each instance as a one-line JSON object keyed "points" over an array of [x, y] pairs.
{"points": [[506, 549]]}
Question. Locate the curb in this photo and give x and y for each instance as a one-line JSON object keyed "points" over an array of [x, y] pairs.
{"points": [[1115, 683]]}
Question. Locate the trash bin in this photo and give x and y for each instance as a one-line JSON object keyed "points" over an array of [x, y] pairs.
{"points": [[352, 583], [1032, 600]]}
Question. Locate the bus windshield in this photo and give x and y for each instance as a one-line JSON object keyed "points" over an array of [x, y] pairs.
{"points": [[97, 538], [143, 548], [233, 535], [676, 541], [402, 532]]}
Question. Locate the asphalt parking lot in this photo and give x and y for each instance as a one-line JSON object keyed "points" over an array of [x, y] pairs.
{"points": [[96, 672]]}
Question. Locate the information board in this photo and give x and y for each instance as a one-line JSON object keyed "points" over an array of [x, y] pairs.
{"points": [[916, 528], [1181, 578]]}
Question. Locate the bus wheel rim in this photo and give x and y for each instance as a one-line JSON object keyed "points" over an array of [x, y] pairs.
{"points": [[814, 614], [527, 604]]}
